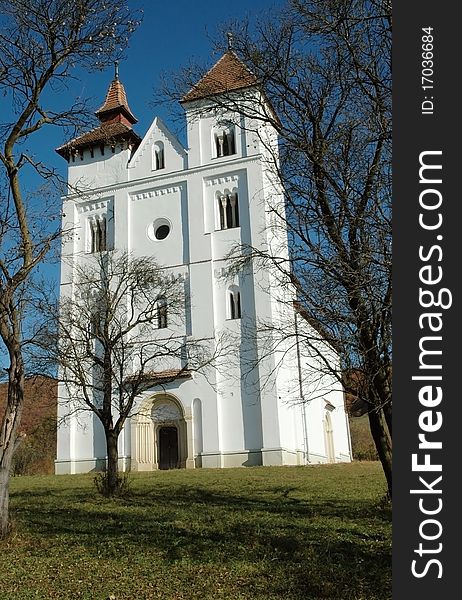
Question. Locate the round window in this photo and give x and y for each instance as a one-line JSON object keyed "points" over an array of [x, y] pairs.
{"points": [[161, 232]]}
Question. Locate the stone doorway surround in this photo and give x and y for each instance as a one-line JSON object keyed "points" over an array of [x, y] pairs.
{"points": [[160, 411]]}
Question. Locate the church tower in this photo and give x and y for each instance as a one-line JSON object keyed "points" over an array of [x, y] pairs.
{"points": [[189, 208]]}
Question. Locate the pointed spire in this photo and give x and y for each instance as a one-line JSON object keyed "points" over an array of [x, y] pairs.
{"points": [[229, 35], [115, 108], [116, 124]]}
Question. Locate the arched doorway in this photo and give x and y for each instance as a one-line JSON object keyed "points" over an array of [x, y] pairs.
{"points": [[159, 435], [169, 425], [329, 438]]}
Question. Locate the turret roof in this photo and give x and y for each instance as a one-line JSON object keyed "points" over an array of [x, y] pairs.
{"points": [[227, 74], [116, 120], [116, 102]]}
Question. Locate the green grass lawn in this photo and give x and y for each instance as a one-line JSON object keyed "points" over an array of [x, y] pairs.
{"points": [[259, 533]]}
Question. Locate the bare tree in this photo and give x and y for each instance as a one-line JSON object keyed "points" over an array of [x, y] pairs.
{"points": [[41, 44], [119, 334], [324, 71]]}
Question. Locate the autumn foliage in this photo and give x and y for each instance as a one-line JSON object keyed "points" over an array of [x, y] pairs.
{"points": [[37, 433]]}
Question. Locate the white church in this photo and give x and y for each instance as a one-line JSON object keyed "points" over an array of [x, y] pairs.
{"points": [[188, 208]]}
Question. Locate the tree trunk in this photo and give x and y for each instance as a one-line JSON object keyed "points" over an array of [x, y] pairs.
{"points": [[382, 443], [112, 466], [4, 496], [382, 386], [8, 434], [387, 411]]}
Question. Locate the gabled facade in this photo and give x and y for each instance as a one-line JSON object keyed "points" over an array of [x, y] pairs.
{"points": [[188, 208]]}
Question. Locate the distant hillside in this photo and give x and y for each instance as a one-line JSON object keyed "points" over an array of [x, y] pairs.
{"points": [[362, 443], [36, 454]]}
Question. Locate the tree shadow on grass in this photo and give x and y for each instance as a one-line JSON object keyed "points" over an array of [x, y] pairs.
{"points": [[318, 548]]}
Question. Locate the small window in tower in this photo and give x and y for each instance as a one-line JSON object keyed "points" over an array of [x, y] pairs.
{"points": [[98, 234], [228, 207], [159, 156], [234, 302], [224, 142], [162, 313]]}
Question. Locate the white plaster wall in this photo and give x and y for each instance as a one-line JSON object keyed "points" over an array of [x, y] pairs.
{"points": [[240, 409], [64, 440], [201, 118], [199, 236], [322, 388], [143, 165], [315, 427], [202, 300], [87, 173], [148, 205]]}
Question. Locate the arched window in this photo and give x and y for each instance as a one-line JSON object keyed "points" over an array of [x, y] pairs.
{"points": [[234, 302], [159, 156], [98, 234], [224, 141], [228, 208], [162, 313]]}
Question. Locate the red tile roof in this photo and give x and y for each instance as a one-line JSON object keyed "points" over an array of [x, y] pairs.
{"points": [[159, 377], [228, 74], [169, 375], [116, 123], [106, 133], [115, 103]]}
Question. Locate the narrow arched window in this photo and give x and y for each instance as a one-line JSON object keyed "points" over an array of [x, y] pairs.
{"points": [[97, 228], [329, 438], [234, 302], [228, 207], [162, 313], [159, 156], [224, 141], [222, 211]]}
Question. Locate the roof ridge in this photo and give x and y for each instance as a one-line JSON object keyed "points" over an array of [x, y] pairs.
{"points": [[227, 74]]}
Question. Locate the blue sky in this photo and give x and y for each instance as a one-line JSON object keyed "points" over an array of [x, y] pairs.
{"points": [[171, 35]]}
